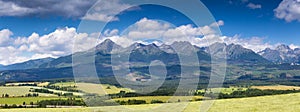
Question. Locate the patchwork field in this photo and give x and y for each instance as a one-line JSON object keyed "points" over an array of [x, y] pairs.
{"points": [[278, 103]]}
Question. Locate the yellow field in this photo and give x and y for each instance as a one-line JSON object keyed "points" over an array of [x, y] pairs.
{"points": [[65, 84], [19, 91], [100, 89], [42, 84], [23, 90], [148, 99], [277, 103], [277, 87]]}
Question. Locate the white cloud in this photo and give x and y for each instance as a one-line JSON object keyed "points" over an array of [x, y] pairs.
{"points": [[147, 29], [105, 10], [289, 10], [4, 37], [254, 6], [55, 44], [254, 43], [200, 36]]}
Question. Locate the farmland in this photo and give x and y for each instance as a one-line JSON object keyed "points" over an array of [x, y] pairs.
{"points": [[19, 91], [27, 100], [276, 87], [100, 89], [254, 104]]}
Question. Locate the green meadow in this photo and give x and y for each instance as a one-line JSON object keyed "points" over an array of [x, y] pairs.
{"points": [[277, 103]]}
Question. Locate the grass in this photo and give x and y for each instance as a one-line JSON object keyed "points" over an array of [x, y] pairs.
{"points": [[276, 87], [277, 103], [20, 100], [225, 90], [42, 84], [23, 90], [148, 99], [18, 91], [65, 84], [100, 89]]}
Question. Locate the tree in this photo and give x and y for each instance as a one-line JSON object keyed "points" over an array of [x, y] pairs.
{"points": [[5, 106], [31, 103], [6, 95], [24, 103], [14, 106]]}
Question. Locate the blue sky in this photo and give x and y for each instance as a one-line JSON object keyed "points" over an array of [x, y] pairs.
{"points": [[239, 19], [263, 21]]}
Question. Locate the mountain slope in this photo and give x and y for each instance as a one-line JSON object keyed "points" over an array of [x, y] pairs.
{"points": [[281, 54], [27, 65], [236, 54]]}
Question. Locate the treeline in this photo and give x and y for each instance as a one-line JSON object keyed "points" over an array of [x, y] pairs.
{"points": [[246, 93], [137, 102], [51, 92], [45, 103], [26, 95], [255, 92], [131, 102], [66, 88], [61, 102], [162, 92]]}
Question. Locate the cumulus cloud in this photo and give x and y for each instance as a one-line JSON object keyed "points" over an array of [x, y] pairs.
{"points": [[289, 10], [254, 6], [4, 37], [254, 43], [105, 10], [55, 44], [200, 36]]}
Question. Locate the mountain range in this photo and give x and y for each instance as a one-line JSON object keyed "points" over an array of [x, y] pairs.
{"points": [[235, 54], [141, 55], [282, 54]]}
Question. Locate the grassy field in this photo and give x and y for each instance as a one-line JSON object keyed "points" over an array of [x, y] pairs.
{"points": [[278, 103], [100, 89], [19, 91], [148, 99], [64, 84], [20, 100], [277, 87]]}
